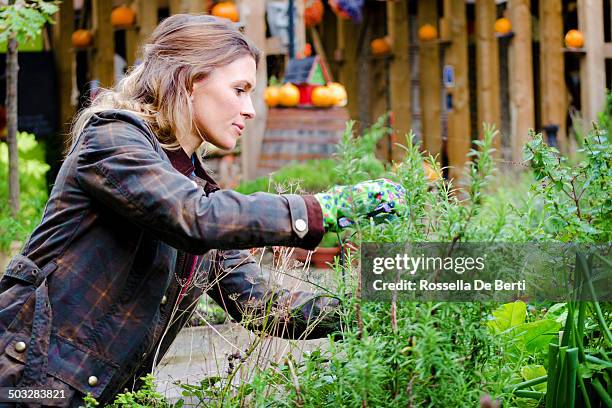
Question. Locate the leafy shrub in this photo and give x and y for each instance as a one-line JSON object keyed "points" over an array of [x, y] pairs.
{"points": [[33, 190]]}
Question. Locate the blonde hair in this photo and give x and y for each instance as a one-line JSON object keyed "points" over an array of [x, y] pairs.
{"points": [[183, 49]]}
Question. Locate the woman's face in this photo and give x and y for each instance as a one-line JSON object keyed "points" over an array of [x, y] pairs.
{"points": [[222, 102]]}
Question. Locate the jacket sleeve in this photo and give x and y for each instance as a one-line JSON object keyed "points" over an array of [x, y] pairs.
{"points": [[118, 166], [238, 285]]}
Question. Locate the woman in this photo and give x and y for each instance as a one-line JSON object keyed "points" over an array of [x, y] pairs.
{"points": [[135, 229]]}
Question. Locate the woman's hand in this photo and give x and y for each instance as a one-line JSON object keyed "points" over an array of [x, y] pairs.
{"points": [[378, 199]]}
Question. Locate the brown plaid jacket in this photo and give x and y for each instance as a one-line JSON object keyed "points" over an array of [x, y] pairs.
{"points": [[99, 288]]}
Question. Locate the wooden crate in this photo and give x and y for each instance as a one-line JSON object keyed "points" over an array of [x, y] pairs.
{"points": [[300, 134]]}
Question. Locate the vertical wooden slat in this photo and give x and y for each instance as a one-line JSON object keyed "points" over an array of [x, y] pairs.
{"points": [[175, 6], [251, 141], [103, 59], [300, 27], [459, 138], [552, 68], [147, 19], [64, 57], [522, 114], [196, 6], [487, 67], [346, 54], [592, 66], [430, 81], [399, 72], [131, 46]]}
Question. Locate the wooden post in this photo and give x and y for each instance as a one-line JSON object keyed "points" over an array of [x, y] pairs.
{"points": [[196, 6], [592, 66], [487, 68], [103, 59], [147, 19], [459, 137], [346, 56], [522, 115], [552, 68], [176, 7], [430, 81], [300, 27], [64, 58], [399, 72], [254, 18]]}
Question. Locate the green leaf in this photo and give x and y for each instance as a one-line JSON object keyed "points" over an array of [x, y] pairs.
{"points": [[530, 372], [535, 336], [507, 316]]}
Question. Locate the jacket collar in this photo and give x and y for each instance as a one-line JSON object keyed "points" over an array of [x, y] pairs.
{"points": [[183, 163]]}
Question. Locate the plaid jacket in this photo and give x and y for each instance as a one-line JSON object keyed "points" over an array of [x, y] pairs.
{"points": [[99, 291]]}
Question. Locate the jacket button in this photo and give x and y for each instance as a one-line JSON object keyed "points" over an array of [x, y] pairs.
{"points": [[300, 225], [164, 300], [92, 381], [20, 347]]}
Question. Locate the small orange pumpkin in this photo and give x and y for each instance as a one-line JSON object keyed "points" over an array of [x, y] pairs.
{"points": [[503, 26], [428, 32], [322, 97], [289, 95], [272, 96], [339, 95], [313, 13], [226, 9], [123, 16], [380, 46], [574, 39], [81, 38]]}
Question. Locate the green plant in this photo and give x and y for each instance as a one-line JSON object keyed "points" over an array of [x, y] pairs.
{"points": [[33, 190]]}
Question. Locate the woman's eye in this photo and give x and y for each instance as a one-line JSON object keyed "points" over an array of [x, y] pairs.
{"points": [[240, 90]]}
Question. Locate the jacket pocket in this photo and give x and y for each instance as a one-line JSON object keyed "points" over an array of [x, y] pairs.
{"points": [[12, 365], [18, 284]]}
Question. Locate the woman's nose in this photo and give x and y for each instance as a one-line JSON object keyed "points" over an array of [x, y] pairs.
{"points": [[248, 111]]}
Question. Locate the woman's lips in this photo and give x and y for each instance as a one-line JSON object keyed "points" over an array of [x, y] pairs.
{"points": [[238, 128]]}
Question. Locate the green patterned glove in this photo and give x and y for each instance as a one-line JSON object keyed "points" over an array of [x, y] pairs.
{"points": [[379, 198]]}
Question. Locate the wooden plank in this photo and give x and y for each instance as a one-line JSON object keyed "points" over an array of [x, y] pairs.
{"points": [[430, 81], [103, 58], [607, 50], [346, 57], [176, 6], [522, 114], [255, 28], [399, 72], [300, 27], [553, 91], [196, 6], [487, 68], [592, 66], [131, 45], [459, 138], [64, 59], [147, 19]]}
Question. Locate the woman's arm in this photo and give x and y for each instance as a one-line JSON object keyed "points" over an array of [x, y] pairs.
{"points": [[119, 167], [237, 285]]}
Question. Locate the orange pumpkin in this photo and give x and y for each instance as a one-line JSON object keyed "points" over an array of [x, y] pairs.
{"points": [[226, 9], [322, 97], [339, 95], [503, 26], [313, 13], [123, 16], [81, 38], [428, 32], [272, 96], [289, 95], [574, 39], [430, 174], [380, 46]]}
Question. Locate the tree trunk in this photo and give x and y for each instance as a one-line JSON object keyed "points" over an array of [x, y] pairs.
{"points": [[12, 68]]}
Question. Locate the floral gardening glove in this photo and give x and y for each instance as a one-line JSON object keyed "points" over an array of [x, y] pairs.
{"points": [[379, 199]]}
